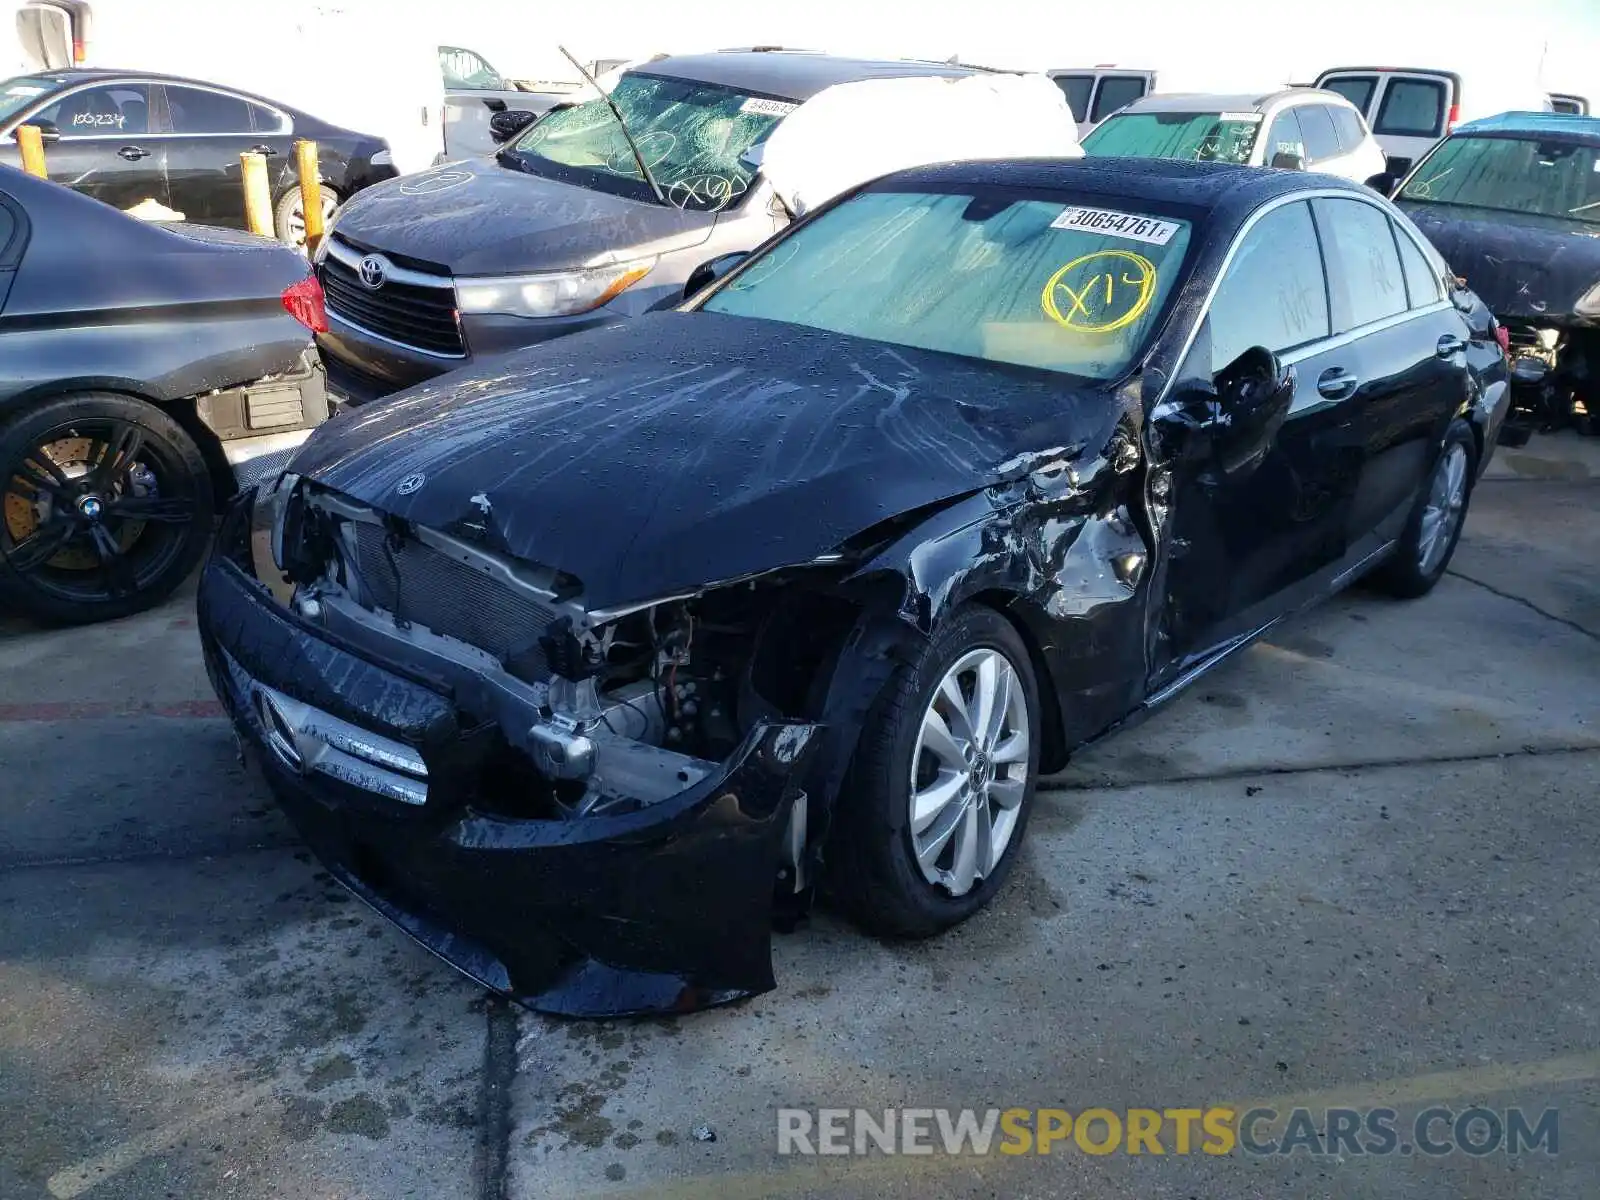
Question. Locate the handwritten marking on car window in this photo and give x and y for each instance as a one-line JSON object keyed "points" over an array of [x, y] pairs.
{"points": [[1100, 292], [1422, 189], [99, 120], [767, 267]]}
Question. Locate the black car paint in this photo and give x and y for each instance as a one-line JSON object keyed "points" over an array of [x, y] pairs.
{"points": [[98, 301], [1525, 267], [198, 175], [1101, 520]]}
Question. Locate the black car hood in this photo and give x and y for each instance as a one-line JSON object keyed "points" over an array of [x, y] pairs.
{"points": [[476, 217], [682, 449], [1523, 266]]}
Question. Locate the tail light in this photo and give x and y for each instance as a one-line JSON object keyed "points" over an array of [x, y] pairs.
{"points": [[1454, 119], [303, 301], [1503, 336]]}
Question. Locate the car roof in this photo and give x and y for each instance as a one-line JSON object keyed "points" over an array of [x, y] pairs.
{"points": [[1201, 102], [1203, 185], [1542, 124], [75, 75], [795, 74]]}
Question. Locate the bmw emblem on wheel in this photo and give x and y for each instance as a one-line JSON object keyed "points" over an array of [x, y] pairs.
{"points": [[374, 272], [411, 483]]}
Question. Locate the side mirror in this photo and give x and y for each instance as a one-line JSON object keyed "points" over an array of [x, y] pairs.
{"points": [[1288, 160], [1254, 394], [708, 273], [504, 126], [47, 131], [1385, 184]]}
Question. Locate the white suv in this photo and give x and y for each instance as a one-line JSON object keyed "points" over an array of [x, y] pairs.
{"points": [[1299, 129]]}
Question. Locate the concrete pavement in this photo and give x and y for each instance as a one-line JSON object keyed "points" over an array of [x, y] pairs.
{"points": [[1356, 867]]}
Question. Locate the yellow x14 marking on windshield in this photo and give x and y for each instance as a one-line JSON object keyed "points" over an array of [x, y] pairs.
{"points": [[1100, 292]]}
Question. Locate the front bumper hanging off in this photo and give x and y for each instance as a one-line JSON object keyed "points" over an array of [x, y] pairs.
{"points": [[664, 909]]}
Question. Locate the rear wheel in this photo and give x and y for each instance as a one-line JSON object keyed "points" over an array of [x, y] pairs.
{"points": [[934, 808], [1429, 542], [106, 508]]}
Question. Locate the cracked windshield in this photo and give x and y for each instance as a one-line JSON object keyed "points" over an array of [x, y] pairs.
{"points": [[692, 136], [1202, 137], [1550, 179], [1036, 283]]}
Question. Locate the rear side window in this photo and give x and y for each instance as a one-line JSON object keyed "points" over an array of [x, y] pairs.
{"points": [[264, 120], [1116, 92], [1422, 281], [1352, 132], [8, 230], [1412, 108], [196, 111], [1076, 89], [1316, 123], [1357, 89], [1363, 263], [1274, 294]]}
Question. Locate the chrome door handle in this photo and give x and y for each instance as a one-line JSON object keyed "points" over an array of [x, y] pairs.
{"points": [[1336, 383], [1450, 345], [264, 151], [133, 153]]}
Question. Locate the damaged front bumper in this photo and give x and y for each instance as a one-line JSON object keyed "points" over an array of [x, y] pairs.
{"points": [[399, 789]]}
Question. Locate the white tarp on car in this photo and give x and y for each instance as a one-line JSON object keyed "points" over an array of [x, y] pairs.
{"points": [[853, 132]]}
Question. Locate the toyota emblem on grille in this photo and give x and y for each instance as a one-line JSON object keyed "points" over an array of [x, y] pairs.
{"points": [[374, 272], [411, 483]]}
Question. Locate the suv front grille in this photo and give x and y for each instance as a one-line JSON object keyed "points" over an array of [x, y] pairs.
{"points": [[417, 311], [432, 589]]}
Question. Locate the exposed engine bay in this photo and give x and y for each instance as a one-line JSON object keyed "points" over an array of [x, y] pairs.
{"points": [[1555, 379], [601, 713]]}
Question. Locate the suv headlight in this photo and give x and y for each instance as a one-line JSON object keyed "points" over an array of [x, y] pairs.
{"points": [[551, 293], [1589, 305]]}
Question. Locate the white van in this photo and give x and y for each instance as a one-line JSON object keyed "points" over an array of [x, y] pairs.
{"points": [[1411, 108], [1094, 93], [43, 35]]}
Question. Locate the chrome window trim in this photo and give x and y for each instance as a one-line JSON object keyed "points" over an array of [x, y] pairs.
{"points": [[285, 123], [1328, 343]]}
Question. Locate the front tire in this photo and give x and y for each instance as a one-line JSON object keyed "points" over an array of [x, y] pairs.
{"points": [[289, 216], [936, 802], [1429, 542], [105, 508]]}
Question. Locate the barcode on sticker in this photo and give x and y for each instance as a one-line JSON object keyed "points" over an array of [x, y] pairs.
{"points": [[762, 107], [1117, 224]]}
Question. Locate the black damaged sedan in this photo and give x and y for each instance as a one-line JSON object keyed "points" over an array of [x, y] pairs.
{"points": [[586, 667]]}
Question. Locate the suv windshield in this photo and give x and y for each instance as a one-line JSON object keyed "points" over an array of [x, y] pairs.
{"points": [[1199, 137], [20, 93], [692, 135], [1524, 175], [988, 274]]}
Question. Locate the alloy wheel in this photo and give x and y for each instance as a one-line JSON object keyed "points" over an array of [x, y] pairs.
{"points": [[969, 771], [296, 221], [94, 511], [1447, 501]]}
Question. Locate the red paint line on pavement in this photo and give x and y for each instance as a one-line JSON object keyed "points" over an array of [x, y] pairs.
{"points": [[95, 710]]}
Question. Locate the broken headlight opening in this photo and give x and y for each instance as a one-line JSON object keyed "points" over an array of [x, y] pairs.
{"points": [[585, 713]]}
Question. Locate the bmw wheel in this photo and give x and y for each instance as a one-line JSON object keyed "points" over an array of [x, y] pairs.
{"points": [[937, 800], [105, 508]]}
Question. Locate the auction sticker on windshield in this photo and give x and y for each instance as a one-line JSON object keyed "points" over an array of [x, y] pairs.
{"points": [[1117, 224], [762, 107]]}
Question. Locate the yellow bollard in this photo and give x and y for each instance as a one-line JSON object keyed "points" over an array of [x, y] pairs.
{"points": [[257, 194], [32, 146], [305, 155]]}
